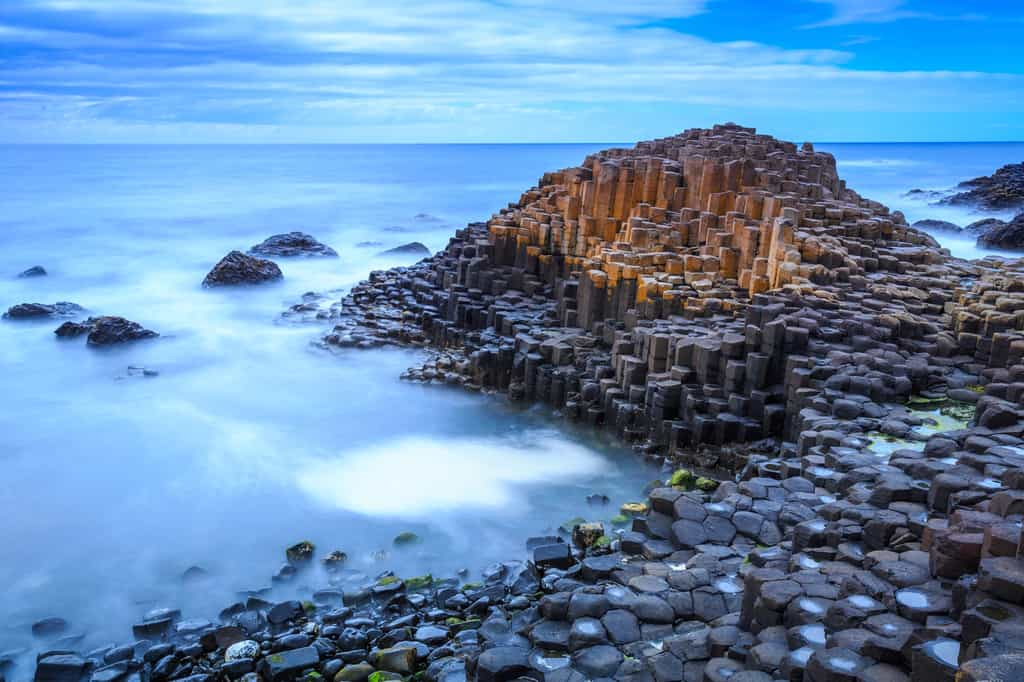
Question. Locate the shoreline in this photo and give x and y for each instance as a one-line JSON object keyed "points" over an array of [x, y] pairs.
{"points": [[629, 326]]}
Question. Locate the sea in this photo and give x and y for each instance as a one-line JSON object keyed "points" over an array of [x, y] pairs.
{"points": [[243, 436]]}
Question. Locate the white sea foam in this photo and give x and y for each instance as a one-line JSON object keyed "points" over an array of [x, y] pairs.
{"points": [[416, 476]]}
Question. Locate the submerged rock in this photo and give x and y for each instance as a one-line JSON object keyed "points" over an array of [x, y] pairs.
{"points": [[49, 627], [929, 225], [34, 271], [410, 249], [24, 311], [1005, 235], [984, 225], [293, 244], [238, 268], [105, 331]]}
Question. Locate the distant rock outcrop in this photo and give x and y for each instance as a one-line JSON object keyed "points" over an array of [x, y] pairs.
{"points": [[1002, 190], [410, 249], [238, 268], [929, 225], [34, 271], [24, 311], [293, 244]]}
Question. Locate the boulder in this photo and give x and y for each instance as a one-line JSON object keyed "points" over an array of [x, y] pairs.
{"points": [[105, 331], [238, 268], [1008, 236], [929, 225], [410, 249], [34, 271], [293, 244], [24, 311], [109, 330]]}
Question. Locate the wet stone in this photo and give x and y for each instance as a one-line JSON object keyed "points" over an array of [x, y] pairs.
{"points": [[502, 663], [597, 661], [936, 661], [586, 632], [835, 665]]}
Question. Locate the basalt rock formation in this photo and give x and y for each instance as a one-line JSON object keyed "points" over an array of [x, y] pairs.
{"points": [[724, 299], [238, 268], [1004, 235], [1002, 190]]}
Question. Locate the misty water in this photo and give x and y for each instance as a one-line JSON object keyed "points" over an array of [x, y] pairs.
{"points": [[250, 437]]}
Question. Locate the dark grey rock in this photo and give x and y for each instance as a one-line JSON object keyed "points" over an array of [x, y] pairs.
{"points": [[598, 661], [238, 268], [26, 311], [502, 663], [292, 244], [289, 664], [1009, 236], [411, 249]]}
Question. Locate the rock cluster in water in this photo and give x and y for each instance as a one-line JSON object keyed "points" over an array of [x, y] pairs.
{"points": [[1002, 190], [852, 394], [991, 233], [24, 311], [238, 268], [107, 330], [293, 244]]}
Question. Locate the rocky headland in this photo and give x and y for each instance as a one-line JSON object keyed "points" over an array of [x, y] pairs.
{"points": [[836, 403], [1002, 190]]}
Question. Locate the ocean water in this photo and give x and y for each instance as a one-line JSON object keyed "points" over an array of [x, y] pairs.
{"points": [[251, 438]]}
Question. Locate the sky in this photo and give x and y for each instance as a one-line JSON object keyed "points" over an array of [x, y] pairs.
{"points": [[285, 71]]}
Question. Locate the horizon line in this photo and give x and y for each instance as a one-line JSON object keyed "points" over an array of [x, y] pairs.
{"points": [[445, 144]]}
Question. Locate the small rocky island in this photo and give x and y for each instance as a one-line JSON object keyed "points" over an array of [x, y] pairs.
{"points": [[836, 402]]}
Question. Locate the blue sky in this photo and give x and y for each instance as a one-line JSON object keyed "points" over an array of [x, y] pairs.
{"points": [[507, 70]]}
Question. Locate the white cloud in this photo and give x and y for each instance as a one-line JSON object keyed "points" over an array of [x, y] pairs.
{"points": [[845, 12]]}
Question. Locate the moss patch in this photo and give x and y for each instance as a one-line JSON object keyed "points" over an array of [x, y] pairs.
{"points": [[633, 508], [419, 582], [681, 478]]}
